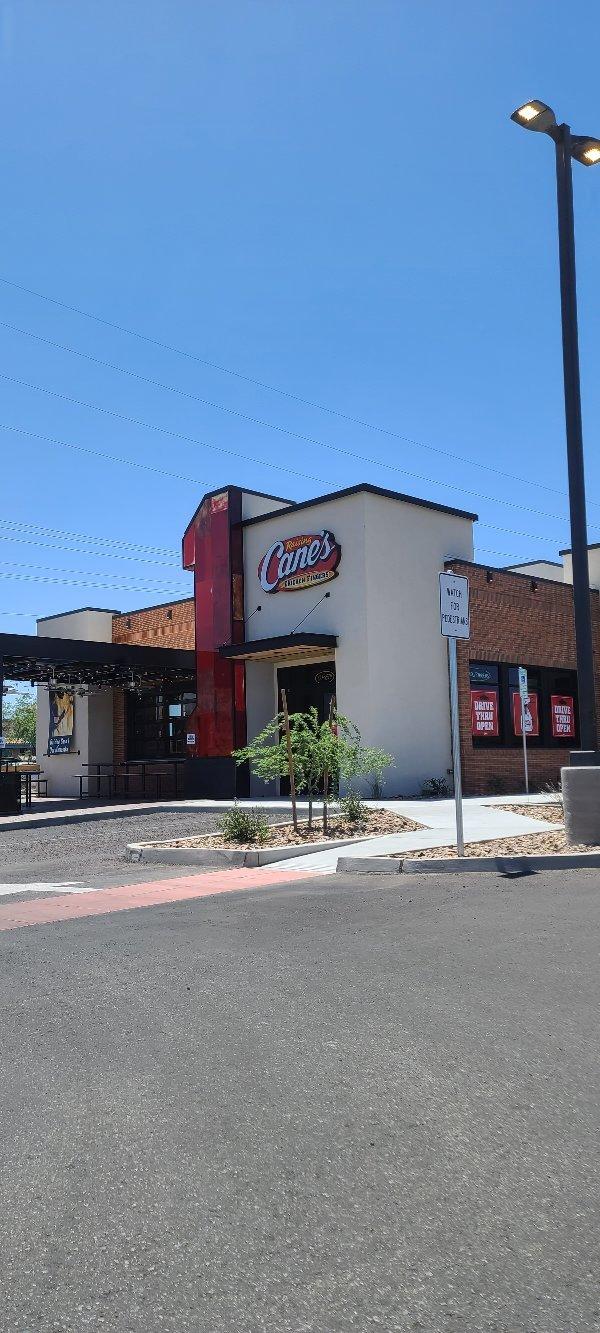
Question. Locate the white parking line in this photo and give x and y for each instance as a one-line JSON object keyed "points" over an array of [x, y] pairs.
{"points": [[44, 886]]}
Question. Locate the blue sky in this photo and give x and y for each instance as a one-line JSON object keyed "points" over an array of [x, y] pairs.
{"points": [[326, 196]]}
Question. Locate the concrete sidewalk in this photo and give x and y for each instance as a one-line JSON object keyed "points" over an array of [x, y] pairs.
{"points": [[484, 818]]}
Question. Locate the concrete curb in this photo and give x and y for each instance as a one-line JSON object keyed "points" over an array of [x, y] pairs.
{"points": [[504, 865], [227, 856], [369, 865]]}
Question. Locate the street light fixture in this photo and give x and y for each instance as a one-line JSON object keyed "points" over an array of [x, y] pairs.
{"points": [[537, 115]]}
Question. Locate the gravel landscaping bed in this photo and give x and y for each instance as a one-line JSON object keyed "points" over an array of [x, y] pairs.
{"points": [[553, 814], [76, 851], [375, 823], [526, 844]]}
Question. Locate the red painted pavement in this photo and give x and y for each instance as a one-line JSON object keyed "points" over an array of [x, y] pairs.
{"points": [[101, 902]]}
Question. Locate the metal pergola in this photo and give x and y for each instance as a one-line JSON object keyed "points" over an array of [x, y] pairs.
{"points": [[72, 662]]}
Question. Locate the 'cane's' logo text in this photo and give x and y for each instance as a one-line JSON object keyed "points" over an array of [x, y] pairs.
{"points": [[299, 562]]}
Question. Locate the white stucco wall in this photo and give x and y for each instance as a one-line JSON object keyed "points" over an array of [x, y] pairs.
{"points": [[261, 705], [391, 665], [92, 739], [541, 569], [593, 562], [253, 505]]}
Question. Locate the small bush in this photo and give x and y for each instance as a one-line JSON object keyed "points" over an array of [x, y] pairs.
{"points": [[244, 826], [353, 808], [553, 789], [435, 787]]}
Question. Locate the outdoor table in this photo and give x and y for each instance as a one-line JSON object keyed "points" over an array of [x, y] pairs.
{"points": [[98, 777]]}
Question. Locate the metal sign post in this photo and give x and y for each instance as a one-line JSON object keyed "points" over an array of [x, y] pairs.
{"points": [[455, 624], [524, 693]]}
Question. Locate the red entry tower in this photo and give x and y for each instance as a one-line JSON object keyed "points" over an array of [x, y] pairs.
{"points": [[213, 549]]}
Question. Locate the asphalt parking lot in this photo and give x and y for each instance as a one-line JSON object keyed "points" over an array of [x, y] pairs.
{"points": [[339, 1105], [95, 849]]}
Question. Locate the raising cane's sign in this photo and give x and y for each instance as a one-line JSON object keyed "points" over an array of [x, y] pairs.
{"points": [[299, 562]]}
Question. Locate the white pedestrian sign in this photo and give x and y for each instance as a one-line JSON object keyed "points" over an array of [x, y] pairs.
{"points": [[455, 624], [454, 606], [526, 722]]}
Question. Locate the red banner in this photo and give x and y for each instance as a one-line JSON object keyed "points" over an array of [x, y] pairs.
{"points": [[562, 710], [485, 719], [532, 722]]}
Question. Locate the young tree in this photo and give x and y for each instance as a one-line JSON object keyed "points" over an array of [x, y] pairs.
{"points": [[312, 754], [19, 721], [361, 761]]}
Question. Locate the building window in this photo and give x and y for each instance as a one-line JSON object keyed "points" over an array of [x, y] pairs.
{"points": [[156, 722], [550, 715]]}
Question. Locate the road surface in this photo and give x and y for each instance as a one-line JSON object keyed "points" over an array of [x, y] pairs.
{"points": [[335, 1105]]}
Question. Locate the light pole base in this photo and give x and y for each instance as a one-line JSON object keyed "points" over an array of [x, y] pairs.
{"points": [[581, 804]]}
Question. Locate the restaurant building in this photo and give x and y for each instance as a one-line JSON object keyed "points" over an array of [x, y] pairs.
{"points": [[334, 597]]}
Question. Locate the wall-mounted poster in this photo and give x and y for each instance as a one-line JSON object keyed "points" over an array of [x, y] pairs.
{"points": [[562, 709], [62, 719], [532, 721], [484, 713]]}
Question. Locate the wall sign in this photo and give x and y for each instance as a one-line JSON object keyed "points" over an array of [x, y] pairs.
{"points": [[454, 606], [562, 711], [483, 675], [299, 562], [62, 720], [485, 719], [530, 708]]}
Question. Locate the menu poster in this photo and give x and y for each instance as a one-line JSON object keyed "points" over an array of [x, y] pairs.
{"points": [[562, 712], [485, 719]]}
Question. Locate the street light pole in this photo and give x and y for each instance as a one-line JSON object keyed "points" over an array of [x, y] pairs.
{"points": [[579, 543], [538, 116]]}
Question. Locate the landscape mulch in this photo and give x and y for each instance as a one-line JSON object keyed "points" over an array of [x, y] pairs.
{"points": [[527, 844], [553, 814], [375, 823]]}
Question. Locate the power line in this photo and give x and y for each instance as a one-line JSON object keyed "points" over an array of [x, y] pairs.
{"points": [[149, 585], [175, 594], [246, 458], [98, 555], [94, 453], [18, 526], [227, 370], [270, 425]]}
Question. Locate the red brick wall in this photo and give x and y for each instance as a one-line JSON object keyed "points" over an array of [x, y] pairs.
{"points": [[168, 626], [517, 620]]}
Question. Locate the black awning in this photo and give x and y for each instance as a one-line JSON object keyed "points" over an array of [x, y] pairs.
{"points": [[303, 646], [85, 662]]}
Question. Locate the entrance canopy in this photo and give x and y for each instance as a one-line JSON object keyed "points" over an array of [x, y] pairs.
{"points": [[84, 662], [302, 646]]}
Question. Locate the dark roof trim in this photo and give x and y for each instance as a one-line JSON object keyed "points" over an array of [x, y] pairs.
{"points": [[513, 574], [41, 648], [363, 486], [522, 564], [593, 546], [139, 610], [77, 611], [244, 490], [278, 644]]}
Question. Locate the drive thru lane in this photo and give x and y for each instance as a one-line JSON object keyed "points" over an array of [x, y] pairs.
{"points": [[331, 1105]]}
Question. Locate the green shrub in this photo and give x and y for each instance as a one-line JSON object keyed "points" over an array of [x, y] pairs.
{"points": [[244, 826], [353, 808], [435, 787]]}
